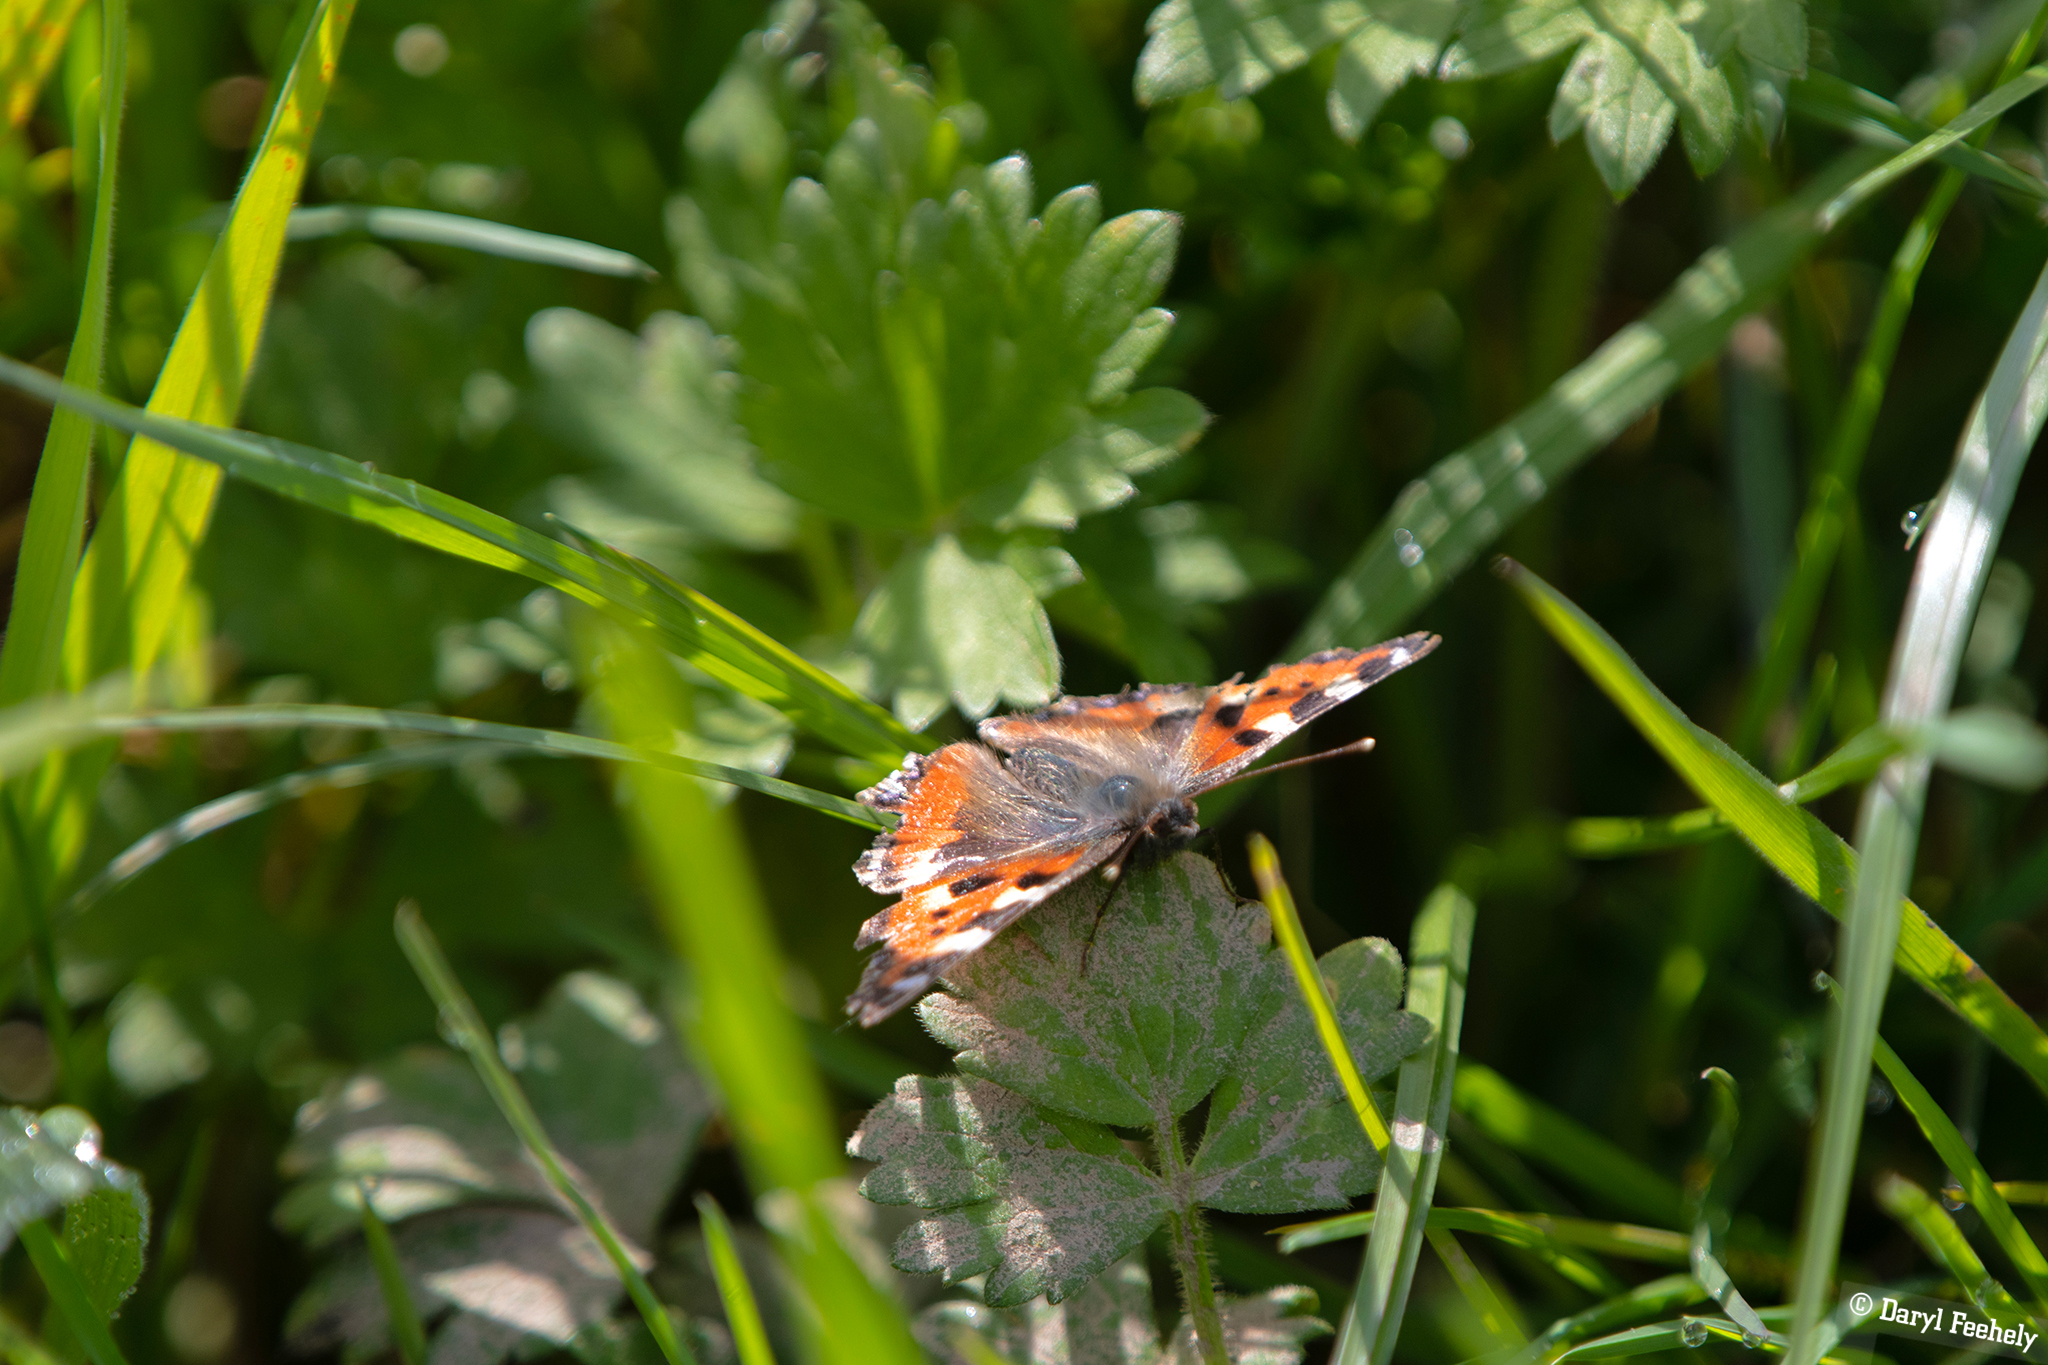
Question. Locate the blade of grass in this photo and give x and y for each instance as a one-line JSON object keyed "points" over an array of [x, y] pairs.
{"points": [[1658, 1246], [34, 729], [1969, 1173], [471, 234], [2023, 1191], [711, 910], [466, 1028], [400, 1312], [1541, 1134], [1644, 1301], [1922, 1215], [1868, 117], [1805, 852], [742, 1314], [1955, 557], [32, 653], [1439, 957], [688, 624], [1866, 186], [1708, 1214], [1442, 522], [32, 34], [1315, 992], [69, 1294]]}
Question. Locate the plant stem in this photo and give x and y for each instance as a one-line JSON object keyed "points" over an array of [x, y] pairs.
{"points": [[1190, 1248]]}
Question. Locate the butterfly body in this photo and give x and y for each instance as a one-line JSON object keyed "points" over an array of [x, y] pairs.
{"points": [[990, 830]]}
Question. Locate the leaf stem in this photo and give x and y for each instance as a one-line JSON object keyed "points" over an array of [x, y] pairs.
{"points": [[1190, 1247]]}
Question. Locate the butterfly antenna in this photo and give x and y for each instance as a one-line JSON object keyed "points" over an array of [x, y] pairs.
{"points": [[1113, 872], [1356, 746]]}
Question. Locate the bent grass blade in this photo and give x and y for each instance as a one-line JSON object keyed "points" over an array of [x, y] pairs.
{"points": [[742, 1313], [467, 1030], [1809, 855], [686, 623], [32, 34]]}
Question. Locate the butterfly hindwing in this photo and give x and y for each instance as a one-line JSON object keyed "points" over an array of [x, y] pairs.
{"points": [[1243, 720], [960, 810], [936, 925]]}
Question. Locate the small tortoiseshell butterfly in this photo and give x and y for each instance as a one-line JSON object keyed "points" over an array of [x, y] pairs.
{"points": [[1087, 781]]}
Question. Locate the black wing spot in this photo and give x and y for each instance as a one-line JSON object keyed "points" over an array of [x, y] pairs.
{"points": [[1248, 736], [1227, 716], [1305, 708], [1035, 879], [968, 885], [940, 914]]}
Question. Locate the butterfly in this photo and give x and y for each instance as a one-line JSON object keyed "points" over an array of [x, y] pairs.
{"points": [[990, 830]]}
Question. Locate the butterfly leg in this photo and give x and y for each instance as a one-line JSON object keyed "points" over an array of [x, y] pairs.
{"points": [[1113, 873]]}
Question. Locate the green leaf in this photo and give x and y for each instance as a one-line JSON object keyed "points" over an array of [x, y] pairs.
{"points": [[690, 625], [1402, 39], [657, 409], [68, 1294], [104, 1237], [947, 626], [1038, 1201], [1183, 998], [1237, 45], [1092, 470], [905, 353], [52, 1161], [471, 234], [1991, 744]]}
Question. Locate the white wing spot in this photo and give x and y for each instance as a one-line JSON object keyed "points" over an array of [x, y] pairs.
{"points": [[1398, 657], [965, 941]]}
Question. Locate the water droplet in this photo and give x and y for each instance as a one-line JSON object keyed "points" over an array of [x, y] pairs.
{"points": [[1693, 1332], [1751, 1341], [1409, 553], [1952, 1197], [1914, 522]]}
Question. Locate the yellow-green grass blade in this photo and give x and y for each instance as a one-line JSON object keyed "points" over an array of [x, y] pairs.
{"points": [[32, 653], [1439, 959], [34, 729], [2023, 1191], [1496, 1310], [686, 623], [1631, 1241], [1948, 580], [1803, 850], [69, 1294], [1315, 992], [742, 1313], [710, 907], [1539, 1133], [32, 34], [1444, 520], [400, 1313], [155, 517], [1922, 1215], [1872, 182], [462, 1023]]}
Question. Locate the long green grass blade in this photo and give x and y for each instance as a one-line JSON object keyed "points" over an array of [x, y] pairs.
{"points": [[711, 910], [1631, 1241], [32, 730], [69, 1294], [32, 654], [1805, 852], [1439, 958], [1495, 1309], [1871, 118], [471, 234], [1866, 186], [32, 34], [1646, 1300], [1922, 1215], [1315, 992], [687, 624], [1443, 521], [400, 1312], [467, 1030], [1955, 557], [742, 1314]]}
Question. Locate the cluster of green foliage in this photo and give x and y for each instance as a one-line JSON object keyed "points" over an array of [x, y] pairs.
{"points": [[731, 397]]}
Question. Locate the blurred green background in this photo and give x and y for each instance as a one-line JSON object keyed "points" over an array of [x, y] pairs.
{"points": [[1347, 315]]}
